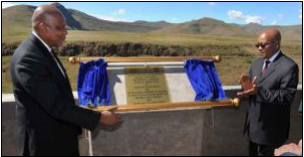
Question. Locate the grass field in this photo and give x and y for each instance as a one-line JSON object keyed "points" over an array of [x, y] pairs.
{"points": [[11, 35], [229, 69]]}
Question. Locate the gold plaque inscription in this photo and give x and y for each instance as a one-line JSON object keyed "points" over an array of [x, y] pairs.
{"points": [[146, 85]]}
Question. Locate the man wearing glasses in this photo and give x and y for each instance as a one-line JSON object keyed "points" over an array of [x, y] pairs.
{"points": [[270, 87]]}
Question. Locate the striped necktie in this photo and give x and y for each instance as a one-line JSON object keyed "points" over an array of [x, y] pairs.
{"points": [[266, 64]]}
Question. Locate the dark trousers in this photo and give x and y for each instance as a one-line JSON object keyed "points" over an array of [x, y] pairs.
{"points": [[27, 151], [261, 150]]}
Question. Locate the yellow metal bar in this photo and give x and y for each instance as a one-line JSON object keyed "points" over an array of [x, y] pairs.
{"points": [[161, 106], [74, 60]]}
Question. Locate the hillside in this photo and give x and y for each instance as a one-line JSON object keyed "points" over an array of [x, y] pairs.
{"points": [[215, 27], [16, 20], [20, 16], [206, 26], [293, 32]]}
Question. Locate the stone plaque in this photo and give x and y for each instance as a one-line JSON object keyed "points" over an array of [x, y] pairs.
{"points": [[146, 85]]}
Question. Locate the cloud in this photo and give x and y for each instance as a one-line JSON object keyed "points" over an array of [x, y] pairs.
{"points": [[235, 14], [119, 12], [274, 22], [6, 5], [254, 19], [114, 16], [111, 18], [300, 15], [211, 3], [174, 19]]}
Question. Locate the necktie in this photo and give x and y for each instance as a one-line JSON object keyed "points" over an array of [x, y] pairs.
{"points": [[56, 59], [266, 64]]}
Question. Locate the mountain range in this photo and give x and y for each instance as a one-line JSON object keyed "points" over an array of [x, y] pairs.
{"points": [[20, 17]]}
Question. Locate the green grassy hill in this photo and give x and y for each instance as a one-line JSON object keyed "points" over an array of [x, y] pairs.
{"points": [[211, 26], [206, 36], [16, 23], [20, 17], [16, 20], [206, 26]]}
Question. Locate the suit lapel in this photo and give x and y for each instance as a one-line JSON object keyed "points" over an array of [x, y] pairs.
{"points": [[62, 67], [259, 71], [270, 69], [66, 78], [53, 65]]}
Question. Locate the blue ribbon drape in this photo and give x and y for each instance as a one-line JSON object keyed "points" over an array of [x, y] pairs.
{"points": [[92, 84], [204, 80]]}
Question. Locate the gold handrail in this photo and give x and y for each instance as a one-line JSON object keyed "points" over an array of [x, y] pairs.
{"points": [[162, 106], [74, 60]]}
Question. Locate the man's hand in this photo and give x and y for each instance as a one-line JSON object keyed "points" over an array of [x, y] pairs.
{"points": [[248, 86], [300, 143], [292, 148], [109, 118]]}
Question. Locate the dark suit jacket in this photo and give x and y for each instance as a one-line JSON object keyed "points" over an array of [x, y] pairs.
{"points": [[268, 115], [49, 121]]}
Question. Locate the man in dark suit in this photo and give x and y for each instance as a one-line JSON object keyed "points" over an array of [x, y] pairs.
{"points": [[49, 122], [271, 87]]}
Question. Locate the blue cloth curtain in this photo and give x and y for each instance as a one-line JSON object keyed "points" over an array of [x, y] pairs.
{"points": [[204, 80], [92, 84]]}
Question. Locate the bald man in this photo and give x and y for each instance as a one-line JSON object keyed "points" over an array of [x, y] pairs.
{"points": [[49, 121], [271, 87]]}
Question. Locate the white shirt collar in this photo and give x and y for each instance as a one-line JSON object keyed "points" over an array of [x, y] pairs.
{"points": [[46, 45], [274, 56]]}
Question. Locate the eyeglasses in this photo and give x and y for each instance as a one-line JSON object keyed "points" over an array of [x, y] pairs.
{"points": [[263, 45]]}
